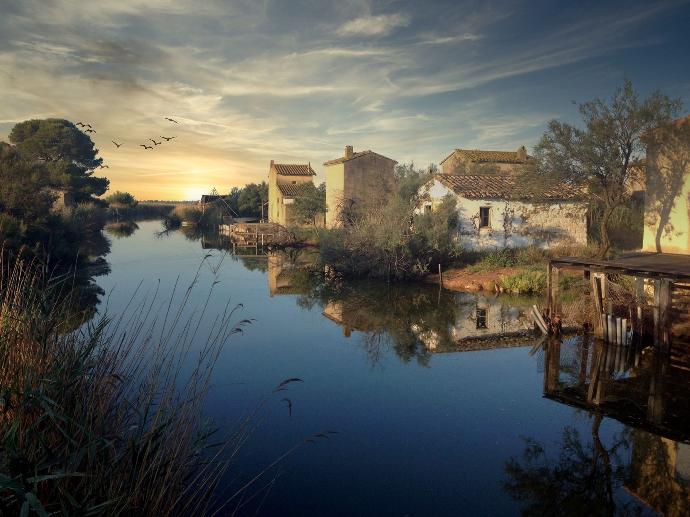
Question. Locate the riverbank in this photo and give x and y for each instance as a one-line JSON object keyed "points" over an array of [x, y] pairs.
{"points": [[469, 279]]}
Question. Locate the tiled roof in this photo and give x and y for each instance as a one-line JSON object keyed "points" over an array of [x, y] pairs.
{"points": [[290, 189], [294, 169], [343, 159], [477, 156], [508, 187]]}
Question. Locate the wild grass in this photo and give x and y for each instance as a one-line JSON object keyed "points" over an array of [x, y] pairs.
{"points": [[521, 257], [532, 280], [108, 419]]}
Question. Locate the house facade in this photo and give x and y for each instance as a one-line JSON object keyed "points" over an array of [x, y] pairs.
{"points": [[495, 211], [667, 198], [284, 181], [357, 179], [472, 161]]}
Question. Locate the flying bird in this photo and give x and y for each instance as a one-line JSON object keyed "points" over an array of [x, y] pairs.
{"points": [[171, 120], [90, 130], [146, 146], [116, 144], [104, 167], [81, 124], [154, 142], [168, 138]]}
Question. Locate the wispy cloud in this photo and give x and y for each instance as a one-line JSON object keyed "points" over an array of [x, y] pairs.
{"points": [[378, 25]]}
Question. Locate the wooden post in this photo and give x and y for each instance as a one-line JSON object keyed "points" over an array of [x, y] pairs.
{"points": [[556, 289], [597, 294], [662, 313], [440, 276]]}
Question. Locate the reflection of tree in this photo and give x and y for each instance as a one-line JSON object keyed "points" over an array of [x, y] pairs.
{"points": [[668, 168], [581, 481], [122, 229]]}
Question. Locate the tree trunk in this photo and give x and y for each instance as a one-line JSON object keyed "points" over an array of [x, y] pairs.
{"points": [[604, 231]]}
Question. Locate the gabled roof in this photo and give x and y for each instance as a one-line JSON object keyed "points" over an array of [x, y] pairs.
{"points": [[290, 189], [477, 156], [294, 169], [354, 156], [508, 187]]}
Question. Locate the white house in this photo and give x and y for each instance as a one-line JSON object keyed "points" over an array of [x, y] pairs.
{"points": [[498, 211]]}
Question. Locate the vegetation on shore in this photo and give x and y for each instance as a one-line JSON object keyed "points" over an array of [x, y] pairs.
{"points": [[103, 420]]}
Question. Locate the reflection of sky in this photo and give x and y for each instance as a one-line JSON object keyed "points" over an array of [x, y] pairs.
{"points": [[417, 439], [296, 81]]}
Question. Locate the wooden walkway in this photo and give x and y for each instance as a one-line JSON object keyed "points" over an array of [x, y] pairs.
{"points": [[648, 265]]}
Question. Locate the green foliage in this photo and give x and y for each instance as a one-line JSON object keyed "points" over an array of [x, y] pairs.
{"points": [[68, 155], [310, 204], [603, 153], [121, 199], [191, 214], [250, 199], [532, 280], [393, 241]]}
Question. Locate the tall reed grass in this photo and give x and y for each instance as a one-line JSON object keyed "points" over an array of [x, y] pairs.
{"points": [[107, 419]]}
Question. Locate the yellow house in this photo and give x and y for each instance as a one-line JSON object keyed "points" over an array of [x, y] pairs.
{"points": [[284, 180], [667, 200], [356, 179]]}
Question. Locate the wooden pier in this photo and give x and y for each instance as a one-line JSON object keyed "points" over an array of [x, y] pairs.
{"points": [[656, 299], [256, 234]]}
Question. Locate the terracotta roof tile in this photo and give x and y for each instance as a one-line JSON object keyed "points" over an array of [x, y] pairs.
{"points": [[343, 159], [290, 189], [478, 156], [508, 187], [294, 169]]}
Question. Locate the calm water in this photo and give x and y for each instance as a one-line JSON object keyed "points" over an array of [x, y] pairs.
{"points": [[436, 412]]}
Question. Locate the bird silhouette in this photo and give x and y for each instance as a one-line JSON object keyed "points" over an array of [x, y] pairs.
{"points": [[168, 138], [146, 146], [90, 130], [116, 144], [81, 124], [104, 167], [154, 142], [171, 120]]}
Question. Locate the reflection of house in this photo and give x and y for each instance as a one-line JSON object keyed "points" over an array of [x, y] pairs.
{"points": [[357, 179], [496, 210], [286, 273], [472, 161], [284, 181], [667, 200]]}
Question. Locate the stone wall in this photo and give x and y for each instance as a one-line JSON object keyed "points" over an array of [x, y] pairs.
{"points": [[514, 224]]}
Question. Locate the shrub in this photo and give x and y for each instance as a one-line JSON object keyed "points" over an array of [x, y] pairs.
{"points": [[188, 214]]}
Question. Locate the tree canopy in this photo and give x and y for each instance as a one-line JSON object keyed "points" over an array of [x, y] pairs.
{"points": [[310, 204], [605, 150], [68, 155]]}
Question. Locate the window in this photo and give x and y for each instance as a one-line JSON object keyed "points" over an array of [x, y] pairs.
{"points": [[484, 217], [294, 183], [427, 208], [481, 318]]}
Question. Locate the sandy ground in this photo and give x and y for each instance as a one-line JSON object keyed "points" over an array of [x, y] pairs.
{"points": [[460, 279]]}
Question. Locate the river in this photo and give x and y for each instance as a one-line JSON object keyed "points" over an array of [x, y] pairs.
{"points": [[440, 403]]}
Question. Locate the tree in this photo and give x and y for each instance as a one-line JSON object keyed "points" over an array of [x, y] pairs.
{"points": [[23, 192], [68, 155], [251, 198], [121, 202], [310, 204], [603, 154]]}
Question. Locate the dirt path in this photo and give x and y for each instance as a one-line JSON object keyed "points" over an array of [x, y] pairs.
{"points": [[461, 279]]}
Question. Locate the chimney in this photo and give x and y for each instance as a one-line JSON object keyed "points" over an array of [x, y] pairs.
{"points": [[348, 151], [522, 153]]}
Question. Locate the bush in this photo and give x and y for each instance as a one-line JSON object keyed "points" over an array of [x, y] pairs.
{"points": [[529, 281], [188, 214]]}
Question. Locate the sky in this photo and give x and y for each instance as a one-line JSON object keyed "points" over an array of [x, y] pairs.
{"points": [[295, 81]]}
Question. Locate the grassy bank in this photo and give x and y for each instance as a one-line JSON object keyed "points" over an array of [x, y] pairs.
{"points": [[103, 421]]}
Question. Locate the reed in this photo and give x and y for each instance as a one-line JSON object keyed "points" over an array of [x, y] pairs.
{"points": [[107, 419]]}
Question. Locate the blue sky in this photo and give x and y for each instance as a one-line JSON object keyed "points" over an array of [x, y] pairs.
{"points": [[296, 81]]}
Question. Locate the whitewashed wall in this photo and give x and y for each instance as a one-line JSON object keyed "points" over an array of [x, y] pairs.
{"points": [[513, 224]]}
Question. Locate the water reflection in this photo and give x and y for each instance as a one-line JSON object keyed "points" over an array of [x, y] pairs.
{"points": [[649, 461]]}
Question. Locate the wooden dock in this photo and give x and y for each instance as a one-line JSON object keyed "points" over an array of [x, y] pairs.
{"points": [[256, 234]]}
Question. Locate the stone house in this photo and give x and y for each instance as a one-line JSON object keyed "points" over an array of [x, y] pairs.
{"points": [[358, 180], [497, 211], [284, 180], [667, 197], [469, 161]]}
